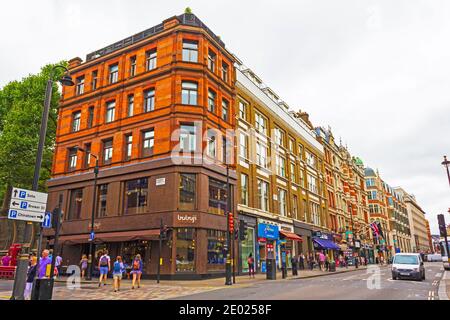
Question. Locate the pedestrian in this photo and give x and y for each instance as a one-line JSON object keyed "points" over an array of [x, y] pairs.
{"points": [[44, 262], [321, 261], [346, 261], [302, 261], [83, 265], [356, 262], [118, 270], [104, 265], [6, 260], [311, 261], [31, 274], [294, 262], [251, 265], [58, 262], [137, 267], [327, 264]]}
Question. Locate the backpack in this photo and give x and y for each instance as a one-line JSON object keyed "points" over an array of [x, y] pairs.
{"points": [[136, 265], [104, 261], [117, 267]]}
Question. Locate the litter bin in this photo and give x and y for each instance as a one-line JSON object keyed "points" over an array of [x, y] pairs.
{"points": [[43, 289], [332, 266], [271, 269]]}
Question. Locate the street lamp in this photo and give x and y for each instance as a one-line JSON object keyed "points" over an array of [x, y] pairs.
{"points": [[228, 258], [446, 164], [94, 202], [22, 264]]}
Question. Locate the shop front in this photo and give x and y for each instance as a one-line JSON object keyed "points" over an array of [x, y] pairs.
{"points": [[306, 233], [288, 240], [324, 242], [248, 245], [268, 236]]}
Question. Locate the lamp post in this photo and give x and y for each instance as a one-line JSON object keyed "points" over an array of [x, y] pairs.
{"points": [[446, 164], [228, 261], [94, 202], [22, 264]]}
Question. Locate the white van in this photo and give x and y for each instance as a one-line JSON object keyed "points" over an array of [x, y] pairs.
{"points": [[408, 265]]}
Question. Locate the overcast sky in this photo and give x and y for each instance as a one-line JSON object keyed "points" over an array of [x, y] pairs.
{"points": [[377, 72]]}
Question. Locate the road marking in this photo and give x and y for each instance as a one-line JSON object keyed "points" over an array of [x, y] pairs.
{"points": [[438, 274]]}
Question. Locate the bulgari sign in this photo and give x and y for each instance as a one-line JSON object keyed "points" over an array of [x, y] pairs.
{"points": [[185, 219]]}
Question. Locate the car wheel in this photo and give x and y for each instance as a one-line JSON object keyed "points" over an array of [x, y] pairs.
{"points": [[394, 277]]}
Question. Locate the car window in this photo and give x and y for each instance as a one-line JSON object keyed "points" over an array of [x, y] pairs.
{"points": [[402, 259]]}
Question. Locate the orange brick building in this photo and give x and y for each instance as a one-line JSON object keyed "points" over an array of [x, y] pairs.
{"points": [[154, 108]]}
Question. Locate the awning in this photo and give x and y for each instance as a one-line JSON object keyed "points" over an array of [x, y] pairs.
{"points": [[121, 236], [326, 244], [290, 235]]}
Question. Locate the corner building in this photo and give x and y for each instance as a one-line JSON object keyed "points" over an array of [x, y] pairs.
{"points": [[148, 106]]}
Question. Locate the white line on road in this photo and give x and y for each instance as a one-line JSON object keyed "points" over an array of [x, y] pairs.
{"points": [[438, 274]]}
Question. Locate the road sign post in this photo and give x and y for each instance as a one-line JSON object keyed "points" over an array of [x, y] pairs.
{"points": [[29, 206]]}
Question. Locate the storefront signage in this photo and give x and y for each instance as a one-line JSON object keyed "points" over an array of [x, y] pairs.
{"points": [[187, 218], [268, 231], [160, 181], [324, 236]]}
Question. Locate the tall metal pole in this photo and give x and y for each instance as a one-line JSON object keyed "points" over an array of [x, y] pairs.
{"points": [[228, 206], [22, 264], [446, 164], [94, 202], [158, 274]]}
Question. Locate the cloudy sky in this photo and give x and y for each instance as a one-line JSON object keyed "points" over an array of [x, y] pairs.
{"points": [[377, 72]]}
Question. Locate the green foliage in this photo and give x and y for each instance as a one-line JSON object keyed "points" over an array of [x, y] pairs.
{"points": [[187, 10], [21, 106]]}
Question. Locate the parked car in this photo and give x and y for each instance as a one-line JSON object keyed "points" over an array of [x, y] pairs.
{"points": [[408, 265], [434, 257]]}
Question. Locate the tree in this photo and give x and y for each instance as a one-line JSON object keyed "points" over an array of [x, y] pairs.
{"points": [[21, 106]]}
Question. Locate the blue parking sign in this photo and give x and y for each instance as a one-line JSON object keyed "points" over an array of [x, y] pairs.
{"points": [[22, 194], [12, 213]]}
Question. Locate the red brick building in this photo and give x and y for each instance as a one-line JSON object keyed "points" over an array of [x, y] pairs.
{"points": [[154, 108]]}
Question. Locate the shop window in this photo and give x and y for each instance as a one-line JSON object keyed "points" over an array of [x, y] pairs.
{"points": [[130, 249], [136, 196], [216, 243], [217, 197], [247, 247], [187, 191], [185, 250]]}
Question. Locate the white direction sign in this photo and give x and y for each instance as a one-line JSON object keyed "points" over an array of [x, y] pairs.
{"points": [[27, 205]]}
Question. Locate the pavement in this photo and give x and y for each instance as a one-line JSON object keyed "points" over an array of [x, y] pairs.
{"points": [[373, 283], [444, 286]]}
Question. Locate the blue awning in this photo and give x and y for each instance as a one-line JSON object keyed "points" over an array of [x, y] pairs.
{"points": [[326, 244]]}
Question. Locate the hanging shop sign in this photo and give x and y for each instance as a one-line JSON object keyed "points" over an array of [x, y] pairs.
{"points": [[268, 231]]}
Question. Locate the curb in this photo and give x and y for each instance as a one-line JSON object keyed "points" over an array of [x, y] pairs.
{"points": [[442, 291]]}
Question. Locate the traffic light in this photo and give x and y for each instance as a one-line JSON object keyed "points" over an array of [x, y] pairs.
{"points": [[164, 232], [242, 229], [230, 222], [442, 227], [57, 215]]}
